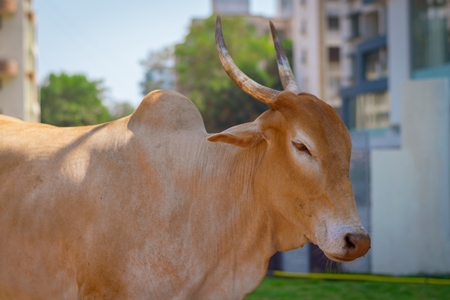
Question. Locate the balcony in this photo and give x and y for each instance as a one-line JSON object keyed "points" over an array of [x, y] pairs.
{"points": [[8, 68], [369, 1], [8, 7]]}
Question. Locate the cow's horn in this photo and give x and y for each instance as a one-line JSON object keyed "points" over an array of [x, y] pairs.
{"points": [[254, 89], [287, 78]]}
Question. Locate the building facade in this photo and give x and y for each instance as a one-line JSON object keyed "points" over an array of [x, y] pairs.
{"points": [[394, 84], [285, 9], [410, 183], [396, 93], [386, 43], [317, 48], [366, 101], [231, 7], [19, 93], [242, 8]]}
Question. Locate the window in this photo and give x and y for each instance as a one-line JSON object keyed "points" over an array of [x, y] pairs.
{"points": [[352, 78], [334, 82], [430, 33], [285, 4], [372, 25], [285, 8], [334, 54], [304, 57], [375, 63], [369, 110], [354, 22], [303, 27], [333, 23]]}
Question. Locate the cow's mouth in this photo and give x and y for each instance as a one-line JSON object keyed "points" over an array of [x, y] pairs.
{"points": [[338, 258]]}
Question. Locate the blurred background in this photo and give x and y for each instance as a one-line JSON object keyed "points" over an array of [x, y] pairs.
{"points": [[383, 65]]}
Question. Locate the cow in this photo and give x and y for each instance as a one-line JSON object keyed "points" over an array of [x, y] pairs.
{"points": [[151, 206]]}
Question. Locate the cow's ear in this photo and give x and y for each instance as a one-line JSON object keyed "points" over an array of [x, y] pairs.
{"points": [[245, 135]]}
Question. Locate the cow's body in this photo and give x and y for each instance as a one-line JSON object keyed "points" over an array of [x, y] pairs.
{"points": [[143, 207], [152, 207]]}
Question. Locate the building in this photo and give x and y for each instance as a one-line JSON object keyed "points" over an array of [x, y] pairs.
{"points": [[394, 82], [242, 8], [19, 93], [364, 64], [396, 103], [317, 47], [385, 46], [285, 9], [410, 183], [231, 7]]}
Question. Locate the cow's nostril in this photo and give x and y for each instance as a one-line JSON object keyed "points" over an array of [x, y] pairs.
{"points": [[350, 242], [356, 244]]}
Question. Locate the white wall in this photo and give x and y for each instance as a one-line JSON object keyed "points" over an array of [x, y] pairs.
{"points": [[411, 186]]}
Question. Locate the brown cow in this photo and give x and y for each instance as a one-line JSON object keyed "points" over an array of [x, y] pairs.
{"points": [[152, 207]]}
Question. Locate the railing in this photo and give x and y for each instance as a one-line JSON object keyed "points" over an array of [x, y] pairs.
{"points": [[8, 68]]}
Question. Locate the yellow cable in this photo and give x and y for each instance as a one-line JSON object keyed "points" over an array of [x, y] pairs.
{"points": [[363, 277]]}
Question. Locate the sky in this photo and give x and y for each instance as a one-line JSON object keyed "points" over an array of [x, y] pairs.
{"points": [[106, 39]]}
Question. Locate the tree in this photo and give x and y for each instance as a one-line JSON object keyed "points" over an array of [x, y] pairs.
{"points": [[72, 100], [159, 73], [201, 77], [121, 109]]}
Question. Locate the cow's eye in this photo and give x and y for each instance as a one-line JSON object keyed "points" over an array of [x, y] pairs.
{"points": [[301, 147]]}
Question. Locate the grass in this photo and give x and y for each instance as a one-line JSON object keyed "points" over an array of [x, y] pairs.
{"points": [[293, 288]]}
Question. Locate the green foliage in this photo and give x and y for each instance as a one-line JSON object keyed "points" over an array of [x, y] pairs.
{"points": [[201, 77], [284, 288], [72, 100]]}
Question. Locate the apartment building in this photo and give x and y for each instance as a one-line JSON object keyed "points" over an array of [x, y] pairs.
{"points": [[386, 43], [396, 93], [317, 48], [242, 8], [364, 64], [231, 7], [19, 93], [410, 191]]}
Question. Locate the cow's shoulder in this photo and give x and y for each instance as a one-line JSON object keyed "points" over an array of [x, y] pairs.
{"points": [[166, 110]]}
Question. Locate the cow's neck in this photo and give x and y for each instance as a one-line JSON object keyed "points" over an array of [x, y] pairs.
{"points": [[240, 223], [202, 200]]}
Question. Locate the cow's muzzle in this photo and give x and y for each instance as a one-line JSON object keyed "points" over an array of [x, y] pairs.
{"points": [[356, 245]]}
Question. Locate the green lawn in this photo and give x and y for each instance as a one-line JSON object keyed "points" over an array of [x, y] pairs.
{"points": [[290, 288]]}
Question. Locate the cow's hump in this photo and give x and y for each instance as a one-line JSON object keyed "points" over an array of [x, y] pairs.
{"points": [[166, 110]]}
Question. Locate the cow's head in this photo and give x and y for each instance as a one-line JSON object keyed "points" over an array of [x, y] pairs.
{"points": [[304, 174]]}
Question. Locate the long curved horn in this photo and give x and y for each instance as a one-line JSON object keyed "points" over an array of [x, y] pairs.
{"points": [[286, 76], [252, 88]]}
